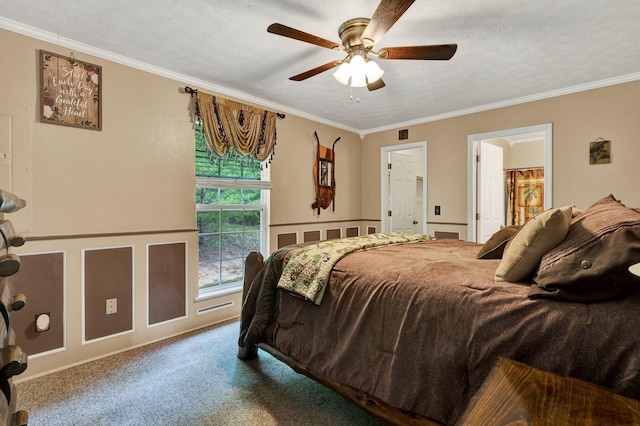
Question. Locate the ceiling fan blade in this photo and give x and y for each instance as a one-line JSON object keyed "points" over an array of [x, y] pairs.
{"points": [[285, 31], [314, 71], [379, 84], [387, 13], [441, 52]]}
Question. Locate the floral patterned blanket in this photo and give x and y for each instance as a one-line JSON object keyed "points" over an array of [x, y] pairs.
{"points": [[308, 270]]}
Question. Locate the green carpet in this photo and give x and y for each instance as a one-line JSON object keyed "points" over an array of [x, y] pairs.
{"points": [[194, 379]]}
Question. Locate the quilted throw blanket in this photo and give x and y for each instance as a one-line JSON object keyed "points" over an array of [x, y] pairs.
{"points": [[308, 270]]}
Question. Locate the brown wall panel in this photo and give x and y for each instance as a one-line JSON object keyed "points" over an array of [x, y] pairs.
{"points": [[353, 231], [371, 229], [287, 239], [167, 282], [333, 234], [447, 235], [41, 280], [310, 236], [107, 275]]}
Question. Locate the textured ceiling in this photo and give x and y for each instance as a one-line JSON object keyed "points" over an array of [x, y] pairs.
{"points": [[508, 50]]}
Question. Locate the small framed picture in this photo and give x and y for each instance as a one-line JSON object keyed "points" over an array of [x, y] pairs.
{"points": [[599, 151]]}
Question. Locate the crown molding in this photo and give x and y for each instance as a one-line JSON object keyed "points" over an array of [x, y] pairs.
{"points": [[123, 60], [535, 97]]}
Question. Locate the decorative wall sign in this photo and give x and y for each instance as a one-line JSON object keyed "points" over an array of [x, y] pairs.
{"points": [[70, 92], [599, 151]]}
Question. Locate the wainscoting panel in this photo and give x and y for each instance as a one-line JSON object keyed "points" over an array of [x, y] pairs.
{"points": [[108, 274], [311, 236], [334, 233], [287, 239], [371, 229], [41, 279], [167, 282], [353, 231], [443, 235]]}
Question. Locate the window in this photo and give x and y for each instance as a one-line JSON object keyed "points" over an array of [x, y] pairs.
{"points": [[231, 207]]}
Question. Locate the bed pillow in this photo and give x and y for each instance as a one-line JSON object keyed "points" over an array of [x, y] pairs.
{"points": [[495, 245], [576, 211], [542, 233], [592, 263]]}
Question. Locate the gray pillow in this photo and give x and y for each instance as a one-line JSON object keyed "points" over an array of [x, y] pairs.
{"points": [[495, 245]]}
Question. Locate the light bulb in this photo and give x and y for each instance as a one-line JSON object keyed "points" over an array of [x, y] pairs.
{"points": [[358, 76], [373, 71], [343, 73]]}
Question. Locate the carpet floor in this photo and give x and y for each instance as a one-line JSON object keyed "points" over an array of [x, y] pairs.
{"points": [[193, 379]]}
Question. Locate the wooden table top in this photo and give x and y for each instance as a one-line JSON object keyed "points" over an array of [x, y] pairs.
{"points": [[517, 394]]}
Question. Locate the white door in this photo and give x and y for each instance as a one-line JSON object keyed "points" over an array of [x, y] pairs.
{"points": [[402, 193], [490, 190]]}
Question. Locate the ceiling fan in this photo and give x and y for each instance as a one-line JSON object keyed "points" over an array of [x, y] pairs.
{"points": [[358, 37]]}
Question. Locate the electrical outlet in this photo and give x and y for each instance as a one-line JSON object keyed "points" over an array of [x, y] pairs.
{"points": [[112, 306], [437, 210]]}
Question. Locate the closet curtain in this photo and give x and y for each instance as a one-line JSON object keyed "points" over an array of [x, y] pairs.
{"points": [[525, 194], [232, 125]]}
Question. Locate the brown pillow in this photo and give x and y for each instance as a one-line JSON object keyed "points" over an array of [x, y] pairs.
{"points": [[542, 233], [592, 262], [495, 245]]}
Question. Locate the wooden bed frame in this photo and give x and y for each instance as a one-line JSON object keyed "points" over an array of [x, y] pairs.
{"points": [[511, 390], [372, 405]]}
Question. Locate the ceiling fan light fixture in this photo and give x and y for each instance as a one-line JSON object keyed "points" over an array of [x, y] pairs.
{"points": [[343, 73], [358, 80], [358, 73], [373, 71], [358, 37], [358, 76]]}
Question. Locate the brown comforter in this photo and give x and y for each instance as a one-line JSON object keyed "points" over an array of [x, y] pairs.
{"points": [[420, 326]]}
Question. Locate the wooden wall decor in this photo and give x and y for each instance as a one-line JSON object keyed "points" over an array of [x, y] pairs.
{"points": [[600, 151], [70, 92], [324, 175]]}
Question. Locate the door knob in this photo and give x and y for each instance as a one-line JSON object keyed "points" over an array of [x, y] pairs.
{"points": [[415, 222]]}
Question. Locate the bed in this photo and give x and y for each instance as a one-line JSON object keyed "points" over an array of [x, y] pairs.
{"points": [[410, 330]]}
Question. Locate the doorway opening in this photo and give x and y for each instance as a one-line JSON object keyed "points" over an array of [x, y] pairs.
{"points": [[479, 201], [403, 180]]}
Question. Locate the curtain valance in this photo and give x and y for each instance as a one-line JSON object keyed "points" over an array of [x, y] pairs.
{"points": [[245, 129]]}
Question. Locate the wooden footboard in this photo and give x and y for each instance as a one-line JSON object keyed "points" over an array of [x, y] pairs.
{"points": [[365, 401]]}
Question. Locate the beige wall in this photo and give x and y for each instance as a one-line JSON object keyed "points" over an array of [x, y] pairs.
{"points": [[520, 155], [292, 177], [577, 119], [527, 154], [132, 184]]}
